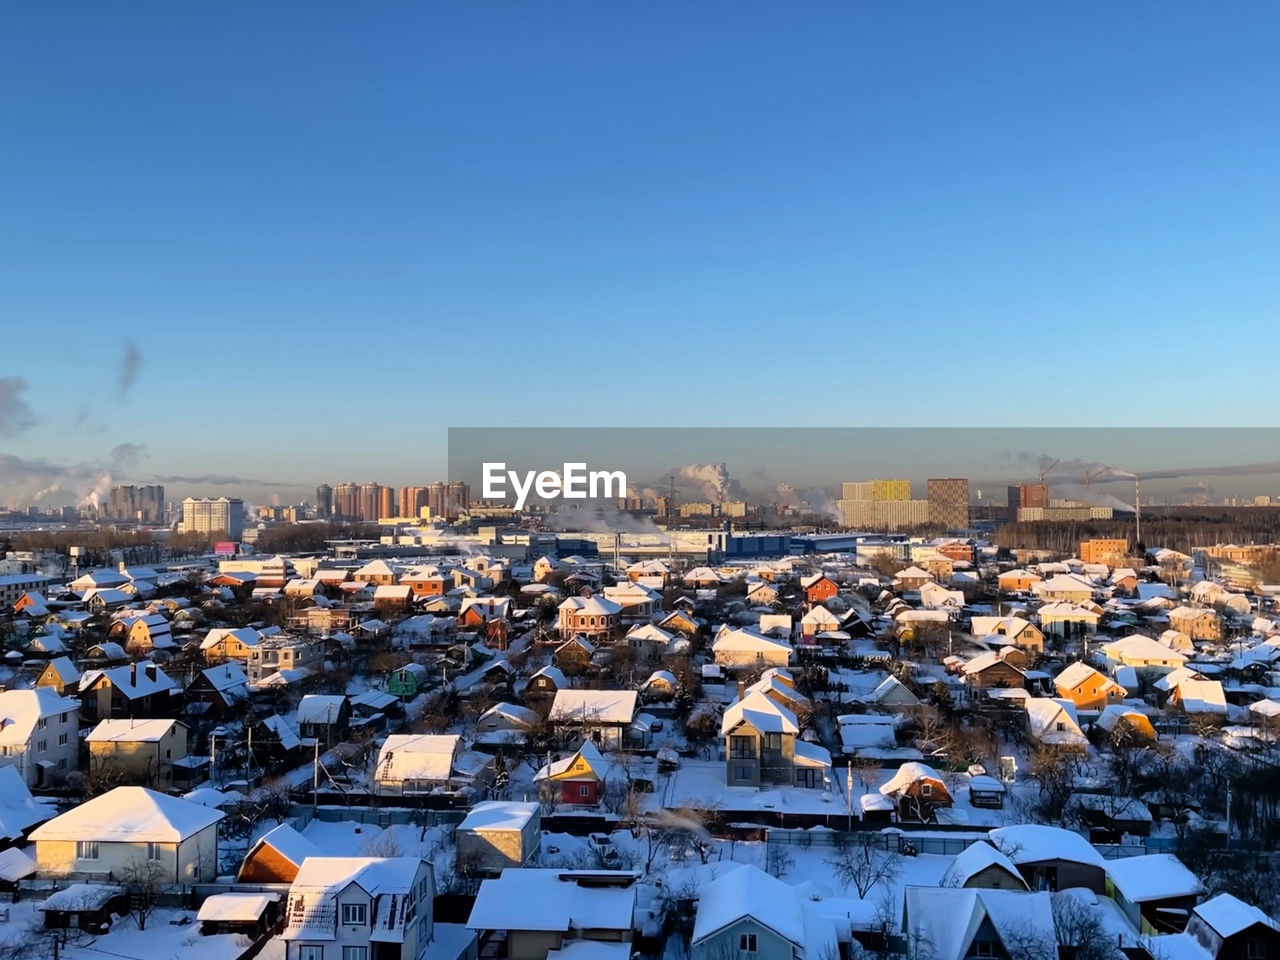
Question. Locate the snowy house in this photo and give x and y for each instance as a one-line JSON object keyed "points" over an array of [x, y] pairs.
{"points": [[949, 923], [982, 865], [105, 835], [918, 791], [360, 907], [538, 913], [416, 764], [276, 856], [747, 912], [580, 779], [1052, 722], [139, 751], [19, 810], [498, 834], [1155, 892], [1087, 688], [1051, 858], [1227, 928], [38, 734], [601, 716], [746, 648], [60, 675]]}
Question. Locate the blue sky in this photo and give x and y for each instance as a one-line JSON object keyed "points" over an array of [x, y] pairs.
{"points": [[332, 230]]}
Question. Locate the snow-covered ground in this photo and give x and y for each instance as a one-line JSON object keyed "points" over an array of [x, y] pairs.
{"points": [[162, 939]]}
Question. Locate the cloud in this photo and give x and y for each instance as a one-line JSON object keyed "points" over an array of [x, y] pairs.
{"points": [[130, 365], [127, 454], [15, 412], [220, 480]]}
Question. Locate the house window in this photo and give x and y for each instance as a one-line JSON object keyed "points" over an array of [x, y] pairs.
{"points": [[310, 953], [86, 849], [584, 791], [42, 746], [354, 953], [926, 789], [1062, 727], [742, 773], [1255, 950], [742, 748], [153, 851], [773, 741], [42, 723], [62, 739], [747, 943], [354, 913], [984, 948]]}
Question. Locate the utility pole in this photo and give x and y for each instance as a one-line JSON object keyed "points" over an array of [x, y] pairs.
{"points": [[315, 779]]}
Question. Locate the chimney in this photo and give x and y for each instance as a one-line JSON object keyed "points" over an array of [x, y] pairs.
{"points": [[133, 674], [742, 689], [151, 672]]}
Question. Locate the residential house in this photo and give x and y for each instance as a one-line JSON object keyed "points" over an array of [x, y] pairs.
{"points": [[893, 695], [762, 594], [546, 682], [912, 578], [284, 655], [377, 572], [599, 716], [142, 634], [1142, 653], [1052, 858], [650, 573], [39, 734], [1126, 724], [579, 779], [660, 686], [391, 598], [20, 813], [596, 618], [679, 621], [1021, 633], [1086, 688], [218, 692], [934, 596], [982, 866], [505, 724], [276, 856], [1198, 623], [819, 588], [107, 834], [417, 764], [918, 792], [407, 681], [426, 583], [1068, 587], [747, 649], [137, 690], [990, 671], [816, 621], [498, 834], [651, 643], [1064, 618], [1156, 892], [640, 603], [540, 914], [1227, 928], [1200, 698], [360, 908], [1052, 723], [227, 644], [954, 923], [60, 675], [141, 752], [477, 612], [324, 717], [762, 747], [701, 578], [107, 653], [1017, 581], [573, 657], [746, 912]]}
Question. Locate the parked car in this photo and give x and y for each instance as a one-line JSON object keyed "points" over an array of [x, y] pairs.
{"points": [[603, 847]]}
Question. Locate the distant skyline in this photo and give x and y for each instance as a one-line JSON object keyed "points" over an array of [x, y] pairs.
{"points": [[249, 249]]}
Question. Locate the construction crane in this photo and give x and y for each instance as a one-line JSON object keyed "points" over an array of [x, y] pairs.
{"points": [[1091, 476], [1043, 472]]}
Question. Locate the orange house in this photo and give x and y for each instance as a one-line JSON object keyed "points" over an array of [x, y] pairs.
{"points": [[1087, 688], [425, 584], [820, 588], [276, 857], [1017, 581]]}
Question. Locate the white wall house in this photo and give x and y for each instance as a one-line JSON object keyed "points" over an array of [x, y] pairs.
{"points": [[38, 734]]}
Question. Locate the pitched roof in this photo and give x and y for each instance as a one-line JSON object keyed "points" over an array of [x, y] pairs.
{"points": [[762, 712], [594, 706], [749, 892], [533, 898], [130, 815]]}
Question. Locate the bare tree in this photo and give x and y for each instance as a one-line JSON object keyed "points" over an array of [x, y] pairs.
{"points": [[143, 881], [858, 864], [778, 860], [1080, 928]]}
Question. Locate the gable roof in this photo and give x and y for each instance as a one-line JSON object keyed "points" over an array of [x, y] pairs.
{"points": [[749, 892], [593, 706], [973, 860], [536, 898], [762, 712]]}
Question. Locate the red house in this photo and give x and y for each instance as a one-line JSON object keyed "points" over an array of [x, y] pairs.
{"points": [[578, 779], [819, 588]]}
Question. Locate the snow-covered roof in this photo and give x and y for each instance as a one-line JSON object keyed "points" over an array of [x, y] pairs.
{"points": [[235, 907], [528, 898], [762, 712], [1046, 714], [320, 707], [133, 680], [1034, 842], [19, 810], [1156, 876], [130, 815], [906, 775], [1080, 672], [21, 710], [1229, 915], [499, 815], [130, 731], [1202, 696], [593, 706], [417, 757], [749, 892], [948, 918], [973, 860], [287, 842], [246, 635]]}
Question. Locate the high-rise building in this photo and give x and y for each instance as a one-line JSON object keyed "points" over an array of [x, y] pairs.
{"points": [[457, 499], [370, 502], [881, 505], [949, 502], [324, 501], [144, 504], [412, 500], [437, 494], [1027, 495], [386, 502], [222, 516], [346, 501]]}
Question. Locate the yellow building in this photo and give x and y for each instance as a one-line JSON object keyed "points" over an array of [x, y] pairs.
{"points": [[1109, 552]]}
